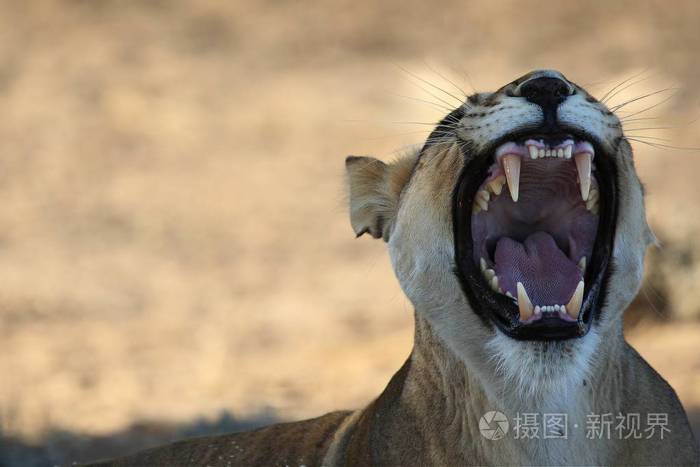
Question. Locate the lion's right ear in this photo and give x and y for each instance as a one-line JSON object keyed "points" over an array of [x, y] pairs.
{"points": [[375, 188]]}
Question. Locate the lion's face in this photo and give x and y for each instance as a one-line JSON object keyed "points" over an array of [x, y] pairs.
{"points": [[522, 219]]}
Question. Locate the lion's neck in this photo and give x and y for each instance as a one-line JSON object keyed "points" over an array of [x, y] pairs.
{"points": [[435, 402]]}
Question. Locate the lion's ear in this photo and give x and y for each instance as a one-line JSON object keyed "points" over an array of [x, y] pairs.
{"points": [[375, 188]]}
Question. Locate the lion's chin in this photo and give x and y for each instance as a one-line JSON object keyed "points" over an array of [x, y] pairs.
{"points": [[542, 369]]}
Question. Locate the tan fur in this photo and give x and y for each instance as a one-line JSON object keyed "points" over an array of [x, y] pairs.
{"points": [[459, 368], [375, 189]]}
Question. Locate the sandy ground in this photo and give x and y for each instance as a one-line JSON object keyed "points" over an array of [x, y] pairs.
{"points": [[175, 253]]}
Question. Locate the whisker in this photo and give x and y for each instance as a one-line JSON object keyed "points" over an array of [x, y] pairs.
{"points": [[418, 99], [661, 146], [452, 122], [653, 128], [430, 84], [639, 119], [468, 79], [627, 87], [448, 104], [433, 124], [650, 107], [656, 138], [653, 306], [602, 99], [460, 90], [614, 109]]}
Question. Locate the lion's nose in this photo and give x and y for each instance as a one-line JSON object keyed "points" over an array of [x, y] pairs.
{"points": [[545, 89]]}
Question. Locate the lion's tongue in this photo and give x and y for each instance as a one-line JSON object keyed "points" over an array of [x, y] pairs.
{"points": [[549, 277]]}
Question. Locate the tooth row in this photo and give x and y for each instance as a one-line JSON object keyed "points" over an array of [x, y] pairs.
{"points": [[539, 153], [550, 308], [481, 201], [491, 277], [527, 310], [511, 167]]}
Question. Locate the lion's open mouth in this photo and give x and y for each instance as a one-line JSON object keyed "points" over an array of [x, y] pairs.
{"points": [[534, 230], [534, 223]]}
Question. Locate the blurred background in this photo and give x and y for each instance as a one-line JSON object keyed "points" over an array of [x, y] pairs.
{"points": [[175, 253]]}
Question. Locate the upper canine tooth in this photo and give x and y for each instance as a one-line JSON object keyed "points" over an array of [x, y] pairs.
{"points": [[533, 152], [567, 151], [511, 166], [583, 165], [524, 303], [573, 308], [496, 185]]}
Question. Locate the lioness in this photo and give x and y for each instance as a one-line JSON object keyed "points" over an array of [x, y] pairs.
{"points": [[518, 232]]}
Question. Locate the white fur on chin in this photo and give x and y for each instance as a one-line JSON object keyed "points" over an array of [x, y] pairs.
{"points": [[537, 371]]}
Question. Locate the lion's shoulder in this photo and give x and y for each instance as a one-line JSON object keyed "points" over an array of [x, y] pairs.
{"points": [[296, 443]]}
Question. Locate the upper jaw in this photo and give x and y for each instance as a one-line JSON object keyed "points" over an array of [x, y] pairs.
{"points": [[515, 306]]}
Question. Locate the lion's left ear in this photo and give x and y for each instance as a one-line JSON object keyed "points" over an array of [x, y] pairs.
{"points": [[375, 188]]}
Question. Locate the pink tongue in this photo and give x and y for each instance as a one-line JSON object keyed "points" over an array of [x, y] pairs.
{"points": [[549, 277]]}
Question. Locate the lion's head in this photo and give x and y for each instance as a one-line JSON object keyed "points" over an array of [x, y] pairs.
{"points": [[517, 231]]}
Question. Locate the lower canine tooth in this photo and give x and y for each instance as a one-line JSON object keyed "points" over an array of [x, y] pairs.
{"points": [[583, 165], [511, 166], [574, 305], [524, 303]]}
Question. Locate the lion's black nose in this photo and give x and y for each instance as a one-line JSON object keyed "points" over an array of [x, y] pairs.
{"points": [[546, 91]]}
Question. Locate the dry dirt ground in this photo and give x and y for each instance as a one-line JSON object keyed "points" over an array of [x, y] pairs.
{"points": [[175, 254]]}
